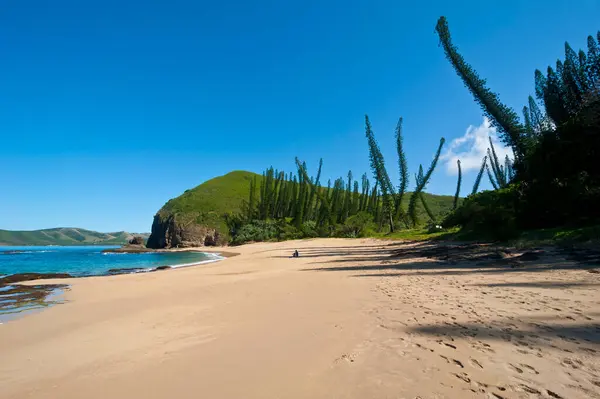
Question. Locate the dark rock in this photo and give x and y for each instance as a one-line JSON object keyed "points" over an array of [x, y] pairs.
{"points": [[13, 298], [163, 267], [137, 240], [15, 278], [168, 232], [130, 249], [595, 271], [125, 270]]}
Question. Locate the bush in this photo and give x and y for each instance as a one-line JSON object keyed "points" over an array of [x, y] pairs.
{"points": [[289, 231], [309, 229], [488, 215], [359, 225], [257, 230]]}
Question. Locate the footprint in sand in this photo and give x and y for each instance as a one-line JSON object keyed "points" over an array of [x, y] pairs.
{"points": [[528, 389], [453, 361], [446, 344], [345, 357], [515, 368], [521, 368], [529, 368], [482, 347], [463, 376], [475, 363], [423, 347]]}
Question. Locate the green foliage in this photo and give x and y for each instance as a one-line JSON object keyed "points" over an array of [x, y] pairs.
{"points": [[359, 225], [566, 236], [340, 210], [489, 214], [257, 230]]}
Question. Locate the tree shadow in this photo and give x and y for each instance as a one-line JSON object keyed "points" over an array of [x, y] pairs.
{"points": [[542, 334], [540, 284], [374, 247], [429, 258], [438, 268]]}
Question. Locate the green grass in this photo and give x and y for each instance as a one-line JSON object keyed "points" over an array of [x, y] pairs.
{"points": [[563, 236], [207, 203], [62, 236], [418, 235]]}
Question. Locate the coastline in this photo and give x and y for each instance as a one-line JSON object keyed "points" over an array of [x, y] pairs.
{"points": [[348, 318], [22, 294]]}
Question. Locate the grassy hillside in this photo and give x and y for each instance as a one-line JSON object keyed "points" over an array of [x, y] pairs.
{"points": [[207, 203], [440, 205], [63, 236]]}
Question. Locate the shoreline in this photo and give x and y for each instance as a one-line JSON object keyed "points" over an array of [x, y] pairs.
{"points": [[22, 294], [29, 276]]}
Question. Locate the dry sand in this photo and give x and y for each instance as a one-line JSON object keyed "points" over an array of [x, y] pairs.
{"points": [[348, 319]]}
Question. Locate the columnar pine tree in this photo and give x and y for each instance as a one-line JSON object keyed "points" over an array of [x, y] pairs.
{"points": [[479, 175], [251, 200], [380, 174], [501, 116], [458, 183], [404, 175], [496, 166], [421, 184], [492, 179]]}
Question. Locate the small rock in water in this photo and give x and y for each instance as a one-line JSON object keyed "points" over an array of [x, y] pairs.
{"points": [[125, 270], [163, 267]]}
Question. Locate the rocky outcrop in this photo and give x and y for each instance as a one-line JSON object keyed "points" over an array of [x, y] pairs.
{"points": [[168, 232], [136, 240]]}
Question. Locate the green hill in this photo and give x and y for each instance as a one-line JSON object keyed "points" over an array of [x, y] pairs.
{"points": [[64, 236], [206, 205]]}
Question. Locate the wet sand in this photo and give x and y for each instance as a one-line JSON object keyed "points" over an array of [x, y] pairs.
{"points": [[348, 319]]}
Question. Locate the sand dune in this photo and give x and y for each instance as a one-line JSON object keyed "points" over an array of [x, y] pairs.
{"points": [[348, 319]]}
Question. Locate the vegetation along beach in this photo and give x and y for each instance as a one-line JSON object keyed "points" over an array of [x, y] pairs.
{"points": [[377, 255]]}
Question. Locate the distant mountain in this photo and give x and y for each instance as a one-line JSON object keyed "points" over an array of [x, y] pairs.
{"points": [[65, 236]]}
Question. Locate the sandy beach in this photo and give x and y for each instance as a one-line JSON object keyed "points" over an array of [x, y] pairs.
{"points": [[347, 319]]}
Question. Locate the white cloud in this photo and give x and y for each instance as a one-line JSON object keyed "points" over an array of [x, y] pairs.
{"points": [[472, 147]]}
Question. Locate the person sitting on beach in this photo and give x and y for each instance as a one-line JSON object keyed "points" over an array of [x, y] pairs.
{"points": [[295, 254]]}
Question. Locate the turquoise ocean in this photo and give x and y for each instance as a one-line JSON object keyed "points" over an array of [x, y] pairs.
{"points": [[90, 260]]}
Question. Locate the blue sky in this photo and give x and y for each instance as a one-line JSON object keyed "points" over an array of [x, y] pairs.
{"points": [[110, 108]]}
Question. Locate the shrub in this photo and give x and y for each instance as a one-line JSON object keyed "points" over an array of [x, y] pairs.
{"points": [[358, 225], [257, 230], [309, 229], [488, 215]]}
